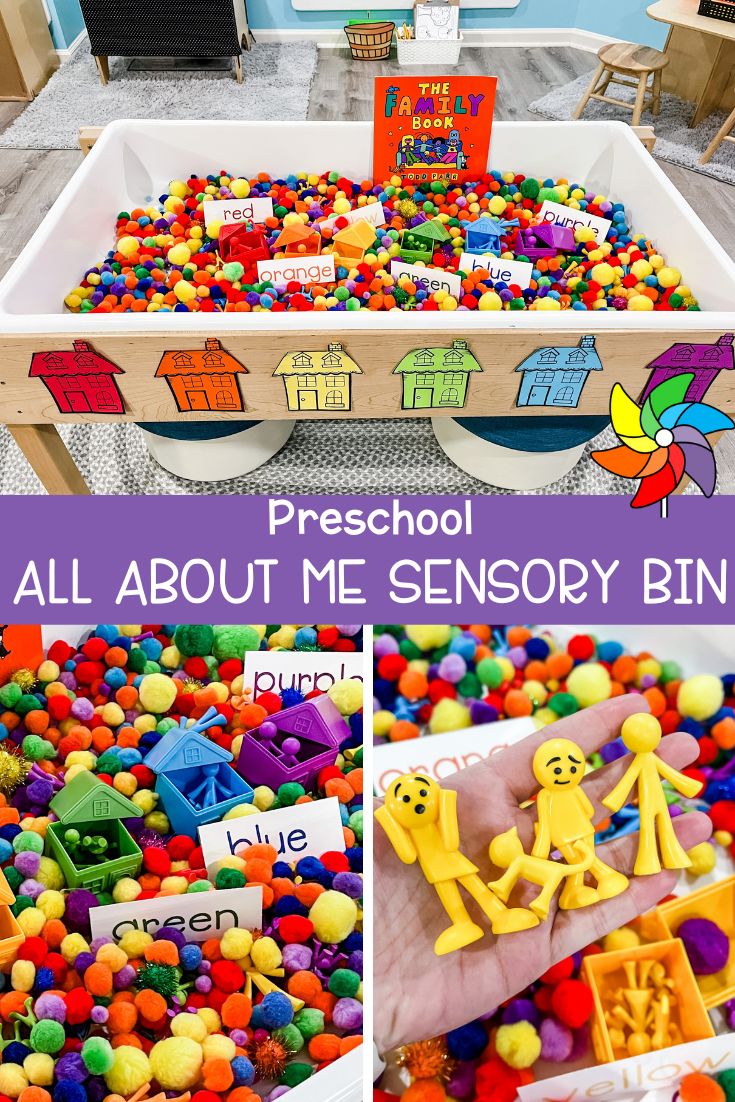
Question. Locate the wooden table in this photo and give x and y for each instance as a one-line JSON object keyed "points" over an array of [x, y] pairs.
{"points": [[702, 57]]}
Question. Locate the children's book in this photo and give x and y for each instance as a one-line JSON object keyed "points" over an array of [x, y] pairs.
{"points": [[432, 129], [21, 647]]}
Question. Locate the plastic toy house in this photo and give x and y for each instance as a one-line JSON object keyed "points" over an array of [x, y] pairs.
{"points": [[351, 243], [706, 361], [609, 975], [486, 235], [11, 935], [717, 903], [293, 745], [545, 240], [421, 242], [194, 781], [239, 243], [299, 240], [90, 842]]}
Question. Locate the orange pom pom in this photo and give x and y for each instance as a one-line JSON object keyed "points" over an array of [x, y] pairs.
{"points": [[211, 950], [122, 1016], [346, 1044], [131, 1039], [700, 1088], [308, 893], [304, 985], [424, 1090], [54, 932], [34, 1094], [98, 980], [151, 1005], [258, 871], [162, 952], [263, 850], [326, 1002], [324, 1047], [252, 715], [236, 1011]]}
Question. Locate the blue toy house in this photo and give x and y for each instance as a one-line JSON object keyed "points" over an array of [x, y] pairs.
{"points": [[486, 235], [194, 780], [555, 376]]}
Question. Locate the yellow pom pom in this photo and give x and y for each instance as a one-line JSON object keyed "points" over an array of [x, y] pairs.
{"points": [[236, 944], [39, 1067], [145, 724], [113, 956], [334, 916], [263, 797], [604, 274], [703, 859], [669, 277], [428, 636], [81, 758], [211, 1018], [624, 938], [31, 921], [51, 903], [12, 1080], [128, 246], [518, 1044], [640, 302], [23, 975], [176, 885], [723, 837], [72, 946], [158, 692], [449, 715], [145, 800], [112, 714], [266, 955], [157, 821], [50, 875], [490, 300], [240, 188], [589, 683], [176, 1063], [700, 697], [126, 890], [134, 943], [241, 811], [170, 657], [131, 1070], [48, 672], [218, 1047], [189, 1025], [346, 695], [179, 255]]}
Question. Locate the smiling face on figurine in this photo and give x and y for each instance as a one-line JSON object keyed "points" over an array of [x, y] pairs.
{"points": [[558, 764], [413, 801]]}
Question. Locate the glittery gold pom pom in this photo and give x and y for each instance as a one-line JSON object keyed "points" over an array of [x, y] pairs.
{"points": [[191, 685], [427, 1060], [25, 679], [407, 208], [13, 771]]}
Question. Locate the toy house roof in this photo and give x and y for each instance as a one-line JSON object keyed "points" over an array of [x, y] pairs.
{"points": [[576, 357], [455, 358], [317, 720], [75, 802], [330, 361], [359, 233], [290, 235], [212, 359], [6, 895], [716, 357], [184, 750], [80, 360], [487, 227], [431, 228], [558, 237]]}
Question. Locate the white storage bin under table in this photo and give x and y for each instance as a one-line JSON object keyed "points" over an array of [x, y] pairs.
{"points": [[428, 51]]}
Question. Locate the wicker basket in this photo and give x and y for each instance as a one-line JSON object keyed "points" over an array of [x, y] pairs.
{"points": [[718, 9], [428, 51], [370, 41]]}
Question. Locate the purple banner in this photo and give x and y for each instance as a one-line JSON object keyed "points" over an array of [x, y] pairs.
{"points": [[366, 559]]}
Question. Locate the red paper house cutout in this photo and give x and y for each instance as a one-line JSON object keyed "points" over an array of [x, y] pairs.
{"points": [[79, 381]]}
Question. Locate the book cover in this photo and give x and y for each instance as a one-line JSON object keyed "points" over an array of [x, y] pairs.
{"points": [[432, 129], [21, 647]]}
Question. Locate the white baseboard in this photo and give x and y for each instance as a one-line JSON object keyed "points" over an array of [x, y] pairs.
{"points": [[333, 38], [71, 49]]}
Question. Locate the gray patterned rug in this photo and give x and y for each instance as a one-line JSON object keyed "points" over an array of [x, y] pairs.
{"points": [[675, 141], [277, 80]]}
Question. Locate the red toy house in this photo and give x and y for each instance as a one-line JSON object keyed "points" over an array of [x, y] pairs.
{"points": [[80, 381]]}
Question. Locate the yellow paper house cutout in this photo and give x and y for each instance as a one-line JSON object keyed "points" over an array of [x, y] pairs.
{"points": [[317, 380], [351, 243]]}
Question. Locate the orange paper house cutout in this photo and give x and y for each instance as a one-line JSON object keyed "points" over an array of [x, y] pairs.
{"points": [[203, 380]]}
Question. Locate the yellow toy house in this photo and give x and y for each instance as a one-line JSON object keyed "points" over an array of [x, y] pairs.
{"points": [[318, 381], [351, 243]]}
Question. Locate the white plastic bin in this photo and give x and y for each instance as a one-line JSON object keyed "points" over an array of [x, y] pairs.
{"points": [[429, 51]]}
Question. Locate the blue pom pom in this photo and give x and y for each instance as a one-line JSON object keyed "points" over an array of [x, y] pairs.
{"points": [[281, 869], [309, 868], [243, 1071], [468, 1042], [609, 652], [16, 1052], [276, 1010], [691, 727], [9, 831], [66, 1090], [352, 942], [44, 981], [354, 856], [291, 697], [288, 905], [190, 957], [537, 649]]}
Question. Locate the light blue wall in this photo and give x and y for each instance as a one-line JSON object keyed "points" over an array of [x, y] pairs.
{"points": [[529, 13], [625, 19], [66, 21]]}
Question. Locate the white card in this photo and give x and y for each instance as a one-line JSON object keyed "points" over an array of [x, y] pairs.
{"points": [[441, 755], [304, 270], [371, 212], [568, 216], [229, 211], [199, 915], [433, 279], [272, 671], [507, 271], [304, 830]]}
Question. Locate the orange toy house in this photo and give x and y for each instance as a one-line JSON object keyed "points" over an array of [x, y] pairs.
{"points": [[203, 380], [299, 240], [79, 381]]}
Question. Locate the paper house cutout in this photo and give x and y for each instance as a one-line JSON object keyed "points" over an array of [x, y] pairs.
{"points": [[555, 376], [421, 242], [203, 379], [89, 804], [316, 380], [320, 729], [79, 381], [705, 360], [351, 243], [11, 935], [194, 781], [437, 378], [299, 240]]}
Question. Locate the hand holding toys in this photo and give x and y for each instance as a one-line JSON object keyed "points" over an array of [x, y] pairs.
{"points": [[420, 820]]}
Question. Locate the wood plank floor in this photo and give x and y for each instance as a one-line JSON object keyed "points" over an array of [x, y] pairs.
{"points": [[343, 89]]}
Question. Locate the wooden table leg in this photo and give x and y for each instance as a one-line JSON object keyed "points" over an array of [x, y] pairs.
{"points": [[238, 69], [719, 83], [47, 454], [103, 68]]}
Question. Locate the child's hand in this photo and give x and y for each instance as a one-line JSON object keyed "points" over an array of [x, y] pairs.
{"points": [[420, 995]]}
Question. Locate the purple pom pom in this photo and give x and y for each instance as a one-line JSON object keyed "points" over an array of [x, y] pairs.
{"points": [[78, 905], [521, 1010], [82, 962], [706, 944], [297, 958], [347, 1015], [27, 863], [581, 1043], [70, 1066], [170, 933], [50, 1006], [462, 1082], [349, 883], [480, 712], [557, 1041]]}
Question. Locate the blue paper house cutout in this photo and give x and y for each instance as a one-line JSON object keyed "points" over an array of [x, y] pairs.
{"points": [[555, 376], [194, 780]]}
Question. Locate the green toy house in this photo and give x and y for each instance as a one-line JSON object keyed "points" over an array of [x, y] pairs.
{"points": [[437, 378], [421, 242], [90, 842]]}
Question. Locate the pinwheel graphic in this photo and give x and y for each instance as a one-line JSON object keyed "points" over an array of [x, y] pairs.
{"points": [[663, 440]]}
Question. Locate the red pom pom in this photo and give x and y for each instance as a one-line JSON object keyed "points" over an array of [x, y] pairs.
{"points": [[391, 666], [230, 669], [271, 702], [335, 861], [58, 966], [496, 1082], [581, 648], [87, 672], [196, 667], [345, 645], [196, 858], [205, 1096], [180, 847], [572, 1003], [156, 860], [327, 637], [708, 750], [79, 1005], [60, 652], [145, 777], [439, 689], [34, 949], [58, 707], [227, 976], [294, 929], [95, 648], [558, 972], [542, 999], [670, 721], [195, 1001], [327, 774], [722, 814]]}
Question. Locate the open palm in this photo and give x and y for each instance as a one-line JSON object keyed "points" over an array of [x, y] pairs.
{"points": [[419, 995]]}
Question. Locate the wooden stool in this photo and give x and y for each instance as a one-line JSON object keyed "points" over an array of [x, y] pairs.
{"points": [[724, 134], [635, 62]]}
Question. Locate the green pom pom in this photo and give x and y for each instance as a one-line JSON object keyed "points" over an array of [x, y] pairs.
{"points": [[530, 189], [548, 194], [290, 1037], [469, 686], [289, 793], [137, 660], [13, 878], [108, 763], [233, 271], [490, 672], [344, 983], [22, 902], [310, 1023], [27, 841], [563, 704], [198, 886], [47, 1036], [355, 823], [10, 694], [726, 1079], [296, 1073], [232, 641], [97, 1055], [163, 978], [27, 703], [671, 671], [230, 878], [195, 640]]}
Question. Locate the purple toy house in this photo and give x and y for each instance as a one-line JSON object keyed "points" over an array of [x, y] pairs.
{"points": [[293, 745], [545, 240], [705, 360]]}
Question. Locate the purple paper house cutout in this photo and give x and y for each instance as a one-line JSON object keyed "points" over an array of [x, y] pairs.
{"points": [[319, 730], [704, 360], [545, 240]]}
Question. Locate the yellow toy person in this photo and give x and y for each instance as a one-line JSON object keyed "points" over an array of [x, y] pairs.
{"points": [[565, 822], [420, 819], [506, 851], [641, 734]]}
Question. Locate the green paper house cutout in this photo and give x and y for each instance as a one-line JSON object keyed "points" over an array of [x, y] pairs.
{"points": [[90, 805], [437, 378], [421, 242]]}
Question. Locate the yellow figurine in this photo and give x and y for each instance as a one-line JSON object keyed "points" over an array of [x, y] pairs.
{"points": [[565, 822], [507, 853], [420, 819], [641, 734]]}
